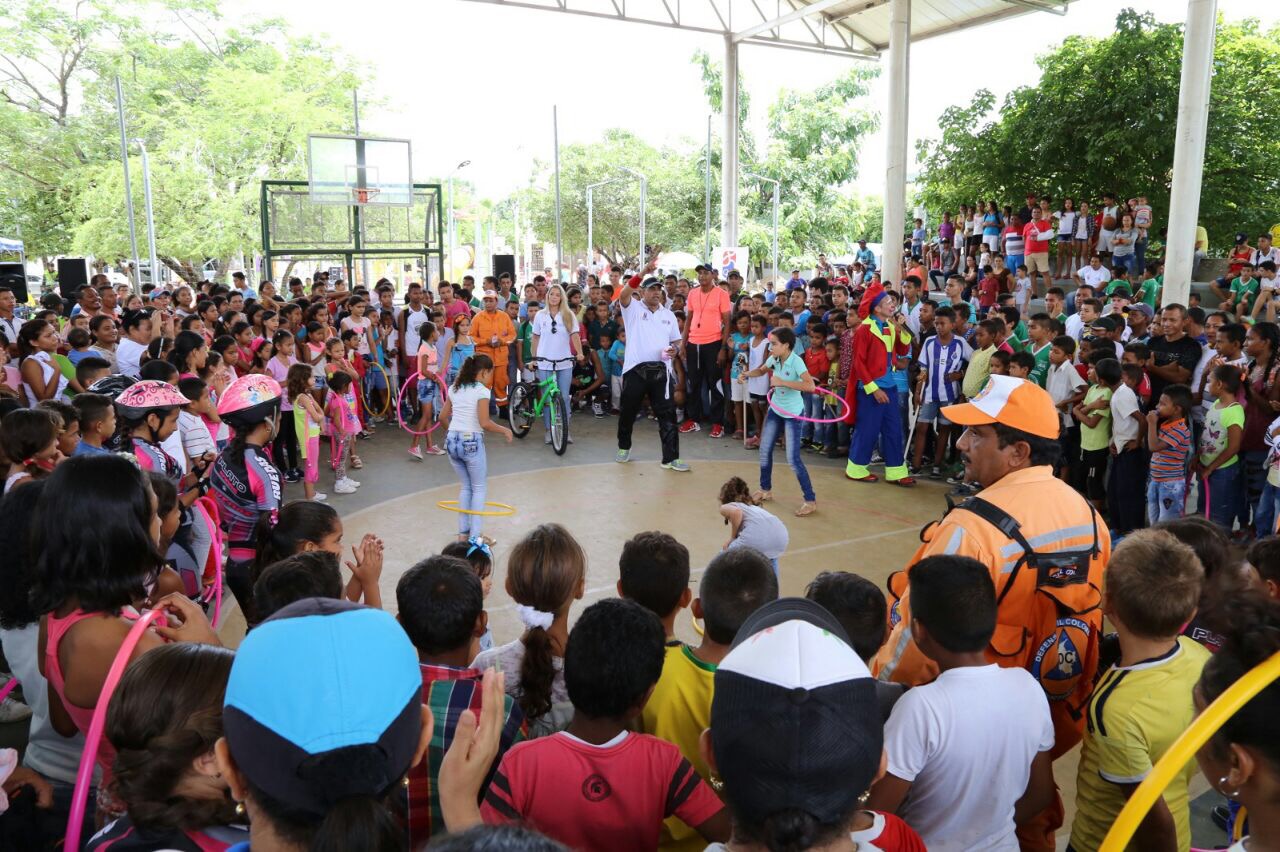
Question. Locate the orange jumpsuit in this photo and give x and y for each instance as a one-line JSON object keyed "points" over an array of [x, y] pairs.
{"points": [[1050, 630], [486, 325]]}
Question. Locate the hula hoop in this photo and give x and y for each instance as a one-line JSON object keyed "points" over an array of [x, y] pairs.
{"points": [[696, 626], [214, 592], [790, 416], [93, 738], [452, 506], [8, 687], [1185, 747], [364, 392], [444, 391]]}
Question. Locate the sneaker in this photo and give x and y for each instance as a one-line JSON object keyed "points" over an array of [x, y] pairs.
{"points": [[291, 477], [717, 431], [364, 435], [935, 472], [569, 438], [344, 486], [433, 450], [958, 479], [547, 439], [320, 497], [416, 453], [623, 456], [13, 710], [677, 465], [597, 409], [353, 482], [689, 426]]}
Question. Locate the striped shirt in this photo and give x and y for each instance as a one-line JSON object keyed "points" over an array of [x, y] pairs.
{"points": [[448, 691], [1170, 464], [939, 360]]}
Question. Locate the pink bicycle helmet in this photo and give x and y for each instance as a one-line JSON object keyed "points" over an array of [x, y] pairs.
{"points": [[249, 400], [135, 401]]}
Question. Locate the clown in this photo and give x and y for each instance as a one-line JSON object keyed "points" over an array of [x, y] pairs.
{"points": [[873, 401]]}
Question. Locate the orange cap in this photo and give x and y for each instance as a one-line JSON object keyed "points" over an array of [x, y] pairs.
{"points": [[1011, 402]]}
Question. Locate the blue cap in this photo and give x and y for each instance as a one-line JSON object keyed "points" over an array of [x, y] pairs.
{"points": [[324, 702]]}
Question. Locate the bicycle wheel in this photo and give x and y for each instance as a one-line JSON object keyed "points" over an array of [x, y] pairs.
{"points": [[559, 424], [520, 411]]}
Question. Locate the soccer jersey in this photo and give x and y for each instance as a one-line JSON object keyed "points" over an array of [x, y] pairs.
{"points": [[448, 691], [1135, 714], [1040, 372], [612, 796], [1170, 464], [940, 360], [678, 711]]}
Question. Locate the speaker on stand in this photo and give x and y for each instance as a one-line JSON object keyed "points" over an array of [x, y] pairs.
{"points": [[14, 276], [73, 273], [504, 263]]}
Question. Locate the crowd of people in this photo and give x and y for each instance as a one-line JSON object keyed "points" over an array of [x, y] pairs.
{"points": [[149, 440]]}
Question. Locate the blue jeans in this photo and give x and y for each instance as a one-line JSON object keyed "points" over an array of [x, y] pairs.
{"points": [[813, 407], [1127, 261], [1226, 495], [773, 424], [1165, 500], [564, 378], [1264, 517], [466, 454]]}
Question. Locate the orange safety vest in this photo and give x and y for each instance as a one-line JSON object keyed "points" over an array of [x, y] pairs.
{"points": [[1049, 617]]}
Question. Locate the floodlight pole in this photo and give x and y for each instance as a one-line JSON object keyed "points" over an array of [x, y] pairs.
{"points": [[555, 132], [452, 229], [776, 199], [644, 198], [151, 220], [895, 179], [706, 225], [729, 146], [362, 181], [128, 192], [591, 216]]}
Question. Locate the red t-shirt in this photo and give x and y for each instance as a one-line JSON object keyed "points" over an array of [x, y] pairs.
{"points": [[817, 362], [590, 797], [988, 289], [1037, 235]]}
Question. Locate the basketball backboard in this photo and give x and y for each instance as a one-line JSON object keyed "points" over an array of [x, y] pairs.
{"points": [[359, 171]]}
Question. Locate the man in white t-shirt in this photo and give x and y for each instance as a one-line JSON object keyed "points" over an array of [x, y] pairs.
{"points": [[653, 334], [969, 753], [1094, 274]]}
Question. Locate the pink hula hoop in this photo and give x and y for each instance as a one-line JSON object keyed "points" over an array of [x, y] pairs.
{"points": [[444, 393], [93, 738], [790, 416], [8, 687], [215, 592]]}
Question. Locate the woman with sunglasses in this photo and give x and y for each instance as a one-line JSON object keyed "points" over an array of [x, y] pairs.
{"points": [[556, 339]]}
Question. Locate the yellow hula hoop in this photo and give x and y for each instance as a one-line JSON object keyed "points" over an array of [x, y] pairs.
{"points": [[452, 506], [364, 396], [696, 626], [1185, 747]]}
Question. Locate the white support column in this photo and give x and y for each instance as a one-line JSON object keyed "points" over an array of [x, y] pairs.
{"points": [[1188, 148], [895, 177], [729, 152]]}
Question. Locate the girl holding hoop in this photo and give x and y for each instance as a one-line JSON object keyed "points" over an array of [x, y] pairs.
{"points": [[459, 348], [788, 378], [428, 390], [467, 410]]}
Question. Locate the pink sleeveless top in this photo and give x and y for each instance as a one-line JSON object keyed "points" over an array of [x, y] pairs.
{"points": [[55, 629]]}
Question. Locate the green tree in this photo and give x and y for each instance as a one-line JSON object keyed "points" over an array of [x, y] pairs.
{"points": [[1100, 120]]}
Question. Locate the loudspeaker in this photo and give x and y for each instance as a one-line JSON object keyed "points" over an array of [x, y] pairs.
{"points": [[14, 276], [504, 263], [73, 273]]}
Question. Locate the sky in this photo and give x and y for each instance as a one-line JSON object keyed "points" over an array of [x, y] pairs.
{"points": [[471, 81]]}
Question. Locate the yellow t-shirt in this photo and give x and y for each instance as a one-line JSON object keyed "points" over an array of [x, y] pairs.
{"points": [[679, 711], [1135, 714]]}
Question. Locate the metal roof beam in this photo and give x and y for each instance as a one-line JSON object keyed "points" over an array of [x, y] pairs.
{"points": [[1041, 6], [796, 15]]}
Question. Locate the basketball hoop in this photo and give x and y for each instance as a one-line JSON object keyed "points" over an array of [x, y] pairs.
{"points": [[364, 194]]}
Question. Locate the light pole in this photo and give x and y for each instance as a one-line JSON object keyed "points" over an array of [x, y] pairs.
{"points": [[151, 219], [776, 187], [590, 215], [456, 169], [644, 196], [128, 191]]}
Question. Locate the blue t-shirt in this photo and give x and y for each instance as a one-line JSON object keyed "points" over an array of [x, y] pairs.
{"points": [[741, 353], [86, 449], [792, 369]]}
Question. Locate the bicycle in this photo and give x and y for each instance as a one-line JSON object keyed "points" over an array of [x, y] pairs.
{"points": [[529, 398]]}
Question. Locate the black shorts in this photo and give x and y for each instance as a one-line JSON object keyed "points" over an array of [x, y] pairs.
{"points": [[757, 397], [1093, 472]]}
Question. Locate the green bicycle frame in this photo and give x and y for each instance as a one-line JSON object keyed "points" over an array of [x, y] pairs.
{"points": [[549, 389]]}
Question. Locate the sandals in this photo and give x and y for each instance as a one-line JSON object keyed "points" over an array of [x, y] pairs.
{"points": [[870, 477], [806, 509], [762, 496], [357, 463]]}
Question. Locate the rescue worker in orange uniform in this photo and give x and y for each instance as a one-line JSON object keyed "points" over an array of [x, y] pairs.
{"points": [[1046, 549], [493, 332]]}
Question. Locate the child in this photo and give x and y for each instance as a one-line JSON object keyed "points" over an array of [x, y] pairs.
{"points": [[477, 554], [467, 413], [69, 428], [79, 341], [193, 420], [859, 606], [979, 369], [789, 377], [307, 418], [740, 358], [1135, 361], [546, 573], [942, 365], [1142, 704], [41, 379], [630, 782], [428, 389], [758, 387], [1022, 290], [1218, 464], [344, 427], [1263, 558], [441, 608], [148, 416], [1021, 365], [837, 434], [977, 720], [1001, 363], [303, 526], [1094, 416], [1039, 343], [1169, 440], [749, 524], [29, 440], [304, 575], [618, 355], [735, 585], [1066, 388], [460, 348], [818, 365], [97, 423], [1126, 486], [988, 289], [163, 721], [653, 571], [286, 443]]}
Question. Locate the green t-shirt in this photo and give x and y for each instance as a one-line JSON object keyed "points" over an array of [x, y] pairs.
{"points": [[792, 369], [1097, 437], [1218, 421], [1040, 373], [1149, 292], [1244, 292], [1018, 339], [524, 336]]}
